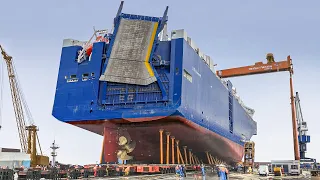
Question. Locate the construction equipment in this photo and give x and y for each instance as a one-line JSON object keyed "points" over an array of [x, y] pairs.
{"points": [[27, 134], [249, 154], [277, 171], [303, 138], [269, 67], [302, 129], [258, 68]]}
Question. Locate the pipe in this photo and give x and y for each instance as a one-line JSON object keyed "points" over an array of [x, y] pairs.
{"points": [[172, 147], [178, 155], [185, 154], [294, 122], [168, 142], [161, 146]]}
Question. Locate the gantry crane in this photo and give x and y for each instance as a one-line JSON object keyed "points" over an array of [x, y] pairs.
{"points": [[27, 134], [269, 67]]}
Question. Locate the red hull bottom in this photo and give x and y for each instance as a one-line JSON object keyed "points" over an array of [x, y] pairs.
{"points": [[147, 137]]}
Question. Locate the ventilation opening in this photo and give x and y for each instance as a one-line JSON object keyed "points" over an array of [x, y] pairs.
{"points": [[187, 75], [73, 78], [85, 77]]}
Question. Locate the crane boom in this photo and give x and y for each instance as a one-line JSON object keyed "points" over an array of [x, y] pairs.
{"points": [[27, 134], [257, 68], [16, 100], [269, 67]]}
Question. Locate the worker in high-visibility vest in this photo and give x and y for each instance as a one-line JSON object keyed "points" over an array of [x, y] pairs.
{"points": [[127, 171]]}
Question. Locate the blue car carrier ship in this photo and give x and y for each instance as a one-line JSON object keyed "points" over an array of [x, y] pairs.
{"points": [[135, 80]]}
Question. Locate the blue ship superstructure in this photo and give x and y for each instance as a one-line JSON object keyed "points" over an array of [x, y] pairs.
{"points": [[141, 75]]}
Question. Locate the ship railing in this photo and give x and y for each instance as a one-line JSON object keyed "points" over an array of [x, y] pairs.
{"points": [[82, 52]]}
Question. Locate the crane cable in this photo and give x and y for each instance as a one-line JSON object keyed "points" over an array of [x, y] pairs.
{"points": [[25, 105], [22, 97]]}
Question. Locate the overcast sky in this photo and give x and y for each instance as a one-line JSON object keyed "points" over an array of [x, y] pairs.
{"points": [[234, 33]]}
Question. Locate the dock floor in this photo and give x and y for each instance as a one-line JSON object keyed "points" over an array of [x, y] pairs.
{"points": [[210, 176]]}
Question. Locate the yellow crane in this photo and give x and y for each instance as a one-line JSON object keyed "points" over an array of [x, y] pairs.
{"points": [[28, 134]]}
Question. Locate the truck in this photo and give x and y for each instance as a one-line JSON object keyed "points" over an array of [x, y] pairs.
{"points": [[263, 170]]}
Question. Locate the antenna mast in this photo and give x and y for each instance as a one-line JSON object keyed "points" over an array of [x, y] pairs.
{"points": [[54, 147]]}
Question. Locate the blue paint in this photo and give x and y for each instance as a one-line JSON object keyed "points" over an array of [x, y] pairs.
{"points": [[304, 139], [122, 162], [26, 164], [204, 100]]}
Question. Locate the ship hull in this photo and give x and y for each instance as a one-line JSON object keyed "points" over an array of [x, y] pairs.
{"points": [[186, 99], [145, 132]]}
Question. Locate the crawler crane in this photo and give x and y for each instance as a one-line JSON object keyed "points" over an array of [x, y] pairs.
{"points": [[27, 134]]}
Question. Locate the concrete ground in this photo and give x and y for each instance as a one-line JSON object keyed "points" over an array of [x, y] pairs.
{"points": [[190, 176], [211, 176]]}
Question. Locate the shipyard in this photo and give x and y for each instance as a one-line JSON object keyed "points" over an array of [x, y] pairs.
{"points": [[159, 92]]}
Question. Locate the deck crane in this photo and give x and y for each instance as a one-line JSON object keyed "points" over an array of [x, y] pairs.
{"points": [[27, 134], [269, 67]]}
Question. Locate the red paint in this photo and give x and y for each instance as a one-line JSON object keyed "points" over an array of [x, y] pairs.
{"points": [[110, 145], [146, 134]]}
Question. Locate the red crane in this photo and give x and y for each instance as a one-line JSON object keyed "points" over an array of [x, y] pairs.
{"points": [[269, 67]]}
